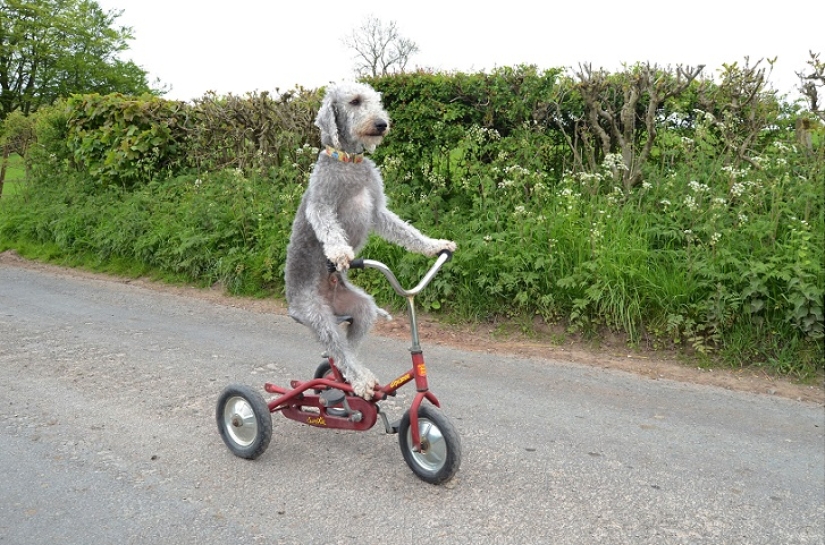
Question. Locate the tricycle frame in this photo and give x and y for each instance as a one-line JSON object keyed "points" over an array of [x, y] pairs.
{"points": [[292, 401], [428, 440]]}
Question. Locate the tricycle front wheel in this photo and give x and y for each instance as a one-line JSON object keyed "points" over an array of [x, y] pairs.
{"points": [[244, 421], [440, 454]]}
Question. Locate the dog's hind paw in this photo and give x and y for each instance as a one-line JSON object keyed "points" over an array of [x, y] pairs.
{"points": [[364, 384], [384, 314]]}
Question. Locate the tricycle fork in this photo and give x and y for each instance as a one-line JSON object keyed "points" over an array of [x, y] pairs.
{"points": [[420, 374]]}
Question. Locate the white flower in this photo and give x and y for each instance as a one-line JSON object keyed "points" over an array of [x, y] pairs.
{"points": [[737, 189], [518, 169], [614, 161], [697, 187], [735, 172]]}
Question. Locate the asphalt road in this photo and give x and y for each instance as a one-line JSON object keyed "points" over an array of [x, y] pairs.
{"points": [[107, 436]]}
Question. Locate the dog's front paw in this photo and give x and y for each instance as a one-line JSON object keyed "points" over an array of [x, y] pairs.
{"points": [[439, 245], [364, 383], [340, 256]]}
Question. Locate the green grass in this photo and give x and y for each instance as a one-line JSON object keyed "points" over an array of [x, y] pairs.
{"points": [[15, 175]]}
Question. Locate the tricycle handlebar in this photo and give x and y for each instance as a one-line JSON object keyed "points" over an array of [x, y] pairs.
{"points": [[443, 257]]}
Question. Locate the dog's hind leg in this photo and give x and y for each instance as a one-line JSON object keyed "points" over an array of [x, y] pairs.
{"points": [[319, 316], [355, 302]]}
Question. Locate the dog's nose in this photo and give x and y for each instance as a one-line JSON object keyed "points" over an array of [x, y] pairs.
{"points": [[381, 126]]}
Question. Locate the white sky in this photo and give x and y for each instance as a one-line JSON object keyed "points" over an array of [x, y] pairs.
{"points": [[260, 45]]}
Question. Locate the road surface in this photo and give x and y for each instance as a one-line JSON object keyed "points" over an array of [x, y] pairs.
{"points": [[107, 435]]}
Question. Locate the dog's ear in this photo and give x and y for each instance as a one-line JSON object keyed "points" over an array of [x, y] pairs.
{"points": [[326, 121]]}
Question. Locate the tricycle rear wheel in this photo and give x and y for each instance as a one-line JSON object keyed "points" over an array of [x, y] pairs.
{"points": [[440, 454], [244, 421], [324, 370]]}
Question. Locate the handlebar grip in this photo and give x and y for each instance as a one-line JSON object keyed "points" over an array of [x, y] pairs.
{"points": [[446, 252]]}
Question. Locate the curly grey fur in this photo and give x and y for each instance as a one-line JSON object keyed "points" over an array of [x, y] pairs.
{"points": [[342, 205]]}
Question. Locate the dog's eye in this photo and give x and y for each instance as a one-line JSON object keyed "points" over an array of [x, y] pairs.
{"points": [[355, 102]]}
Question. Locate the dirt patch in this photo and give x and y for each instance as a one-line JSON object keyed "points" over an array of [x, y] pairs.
{"points": [[654, 365]]}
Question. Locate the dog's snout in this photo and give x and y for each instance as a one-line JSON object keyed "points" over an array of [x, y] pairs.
{"points": [[381, 126]]}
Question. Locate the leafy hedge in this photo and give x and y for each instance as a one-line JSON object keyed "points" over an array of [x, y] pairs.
{"points": [[125, 141], [128, 141], [716, 245]]}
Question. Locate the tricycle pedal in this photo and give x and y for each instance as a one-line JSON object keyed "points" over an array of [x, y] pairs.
{"points": [[391, 429]]}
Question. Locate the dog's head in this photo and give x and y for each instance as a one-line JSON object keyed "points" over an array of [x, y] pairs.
{"points": [[352, 118]]}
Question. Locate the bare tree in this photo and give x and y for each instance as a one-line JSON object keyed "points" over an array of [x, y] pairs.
{"points": [[744, 105], [617, 108], [812, 82], [379, 48]]}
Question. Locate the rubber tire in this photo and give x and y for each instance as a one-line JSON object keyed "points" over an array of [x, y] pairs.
{"points": [[433, 470], [251, 400], [324, 369]]}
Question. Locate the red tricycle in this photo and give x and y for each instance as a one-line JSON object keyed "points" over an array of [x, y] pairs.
{"points": [[429, 442]]}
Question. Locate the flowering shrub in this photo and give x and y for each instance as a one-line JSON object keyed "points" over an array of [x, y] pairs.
{"points": [[719, 251], [719, 247]]}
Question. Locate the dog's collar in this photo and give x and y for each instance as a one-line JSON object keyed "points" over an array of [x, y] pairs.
{"points": [[343, 156]]}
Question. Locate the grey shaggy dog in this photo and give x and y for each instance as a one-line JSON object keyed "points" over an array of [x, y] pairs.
{"points": [[342, 205]]}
